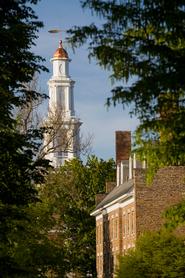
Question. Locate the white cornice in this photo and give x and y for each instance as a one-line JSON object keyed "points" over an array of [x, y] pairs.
{"points": [[61, 80], [118, 202]]}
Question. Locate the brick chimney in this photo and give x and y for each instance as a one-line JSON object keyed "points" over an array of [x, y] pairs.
{"points": [[123, 151], [123, 146]]}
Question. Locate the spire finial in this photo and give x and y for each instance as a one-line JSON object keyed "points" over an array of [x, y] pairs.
{"points": [[60, 44]]}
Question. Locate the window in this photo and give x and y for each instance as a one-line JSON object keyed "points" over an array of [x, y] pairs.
{"points": [[129, 221], [101, 264], [132, 222], [100, 234], [114, 261], [111, 228], [115, 228], [123, 225], [126, 224], [97, 263], [60, 93], [61, 154], [97, 236]]}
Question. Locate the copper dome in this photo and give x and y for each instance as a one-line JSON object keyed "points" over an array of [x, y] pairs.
{"points": [[60, 52]]}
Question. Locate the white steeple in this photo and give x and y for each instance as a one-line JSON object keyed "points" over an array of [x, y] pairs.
{"points": [[61, 116]]}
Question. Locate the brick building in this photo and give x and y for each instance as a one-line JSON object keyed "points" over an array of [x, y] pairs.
{"points": [[129, 207]]}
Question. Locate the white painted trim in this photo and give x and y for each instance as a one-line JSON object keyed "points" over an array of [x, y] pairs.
{"points": [[120, 205], [134, 161], [98, 217], [117, 174], [130, 167], [121, 172], [117, 203]]}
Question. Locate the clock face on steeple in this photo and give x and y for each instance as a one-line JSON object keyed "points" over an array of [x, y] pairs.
{"points": [[61, 68]]}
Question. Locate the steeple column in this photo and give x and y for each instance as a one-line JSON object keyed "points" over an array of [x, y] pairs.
{"points": [[61, 98]]}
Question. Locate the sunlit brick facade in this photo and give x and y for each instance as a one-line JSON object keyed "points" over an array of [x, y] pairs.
{"points": [[129, 208]]}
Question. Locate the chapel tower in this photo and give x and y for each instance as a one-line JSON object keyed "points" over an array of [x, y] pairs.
{"points": [[63, 140]]}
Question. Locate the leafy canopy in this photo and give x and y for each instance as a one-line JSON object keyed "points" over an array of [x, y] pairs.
{"points": [[159, 254], [143, 44], [71, 191], [19, 168]]}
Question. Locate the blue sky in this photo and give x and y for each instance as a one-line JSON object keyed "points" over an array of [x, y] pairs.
{"points": [[92, 85]]}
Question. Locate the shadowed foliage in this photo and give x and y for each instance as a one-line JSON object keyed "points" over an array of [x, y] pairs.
{"points": [[142, 43]]}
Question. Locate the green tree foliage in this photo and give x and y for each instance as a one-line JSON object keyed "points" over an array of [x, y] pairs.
{"points": [[158, 255], [175, 216], [19, 170], [143, 44], [33, 252], [71, 191]]}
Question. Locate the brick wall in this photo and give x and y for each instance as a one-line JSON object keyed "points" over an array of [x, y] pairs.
{"points": [[99, 247], [120, 227], [113, 239], [167, 189], [123, 145]]}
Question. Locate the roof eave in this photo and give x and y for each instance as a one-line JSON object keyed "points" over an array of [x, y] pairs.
{"points": [[118, 200]]}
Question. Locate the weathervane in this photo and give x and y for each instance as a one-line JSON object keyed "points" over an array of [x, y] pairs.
{"points": [[54, 31], [57, 31]]}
